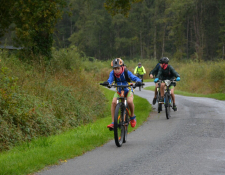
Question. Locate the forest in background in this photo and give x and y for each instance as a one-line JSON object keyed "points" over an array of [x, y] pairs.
{"points": [[192, 29], [181, 29]]}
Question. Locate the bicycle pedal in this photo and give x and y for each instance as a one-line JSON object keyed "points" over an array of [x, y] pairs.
{"points": [[111, 129]]}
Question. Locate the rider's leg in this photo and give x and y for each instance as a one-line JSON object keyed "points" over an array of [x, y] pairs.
{"points": [[113, 107], [162, 88], [155, 96], [131, 106], [156, 86], [173, 96]]}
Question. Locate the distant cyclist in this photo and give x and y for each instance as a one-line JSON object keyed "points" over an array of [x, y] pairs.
{"points": [[118, 74], [140, 71], [167, 72], [153, 73]]}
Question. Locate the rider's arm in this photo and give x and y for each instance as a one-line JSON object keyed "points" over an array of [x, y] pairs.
{"points": [[174, 72], [155, 70], [111, 77], [152, 72], [133, 77], [144, 70]]}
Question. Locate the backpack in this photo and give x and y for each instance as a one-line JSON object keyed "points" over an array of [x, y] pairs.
{"points": [[158, 66], [126, 76]]}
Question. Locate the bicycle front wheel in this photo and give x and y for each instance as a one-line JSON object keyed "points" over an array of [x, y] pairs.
{"points": [[118, 125], [167, 105]]}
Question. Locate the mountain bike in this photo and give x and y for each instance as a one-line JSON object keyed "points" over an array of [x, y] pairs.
{"points": [[168, 101], [122, 116], [141, 77]]}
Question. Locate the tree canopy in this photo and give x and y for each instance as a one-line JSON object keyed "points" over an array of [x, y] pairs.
{"points": [[183, 29], [119, 6], [34, 22]]}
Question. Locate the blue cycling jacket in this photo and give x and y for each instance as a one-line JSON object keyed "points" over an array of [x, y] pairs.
{"points": [[122, 80]]}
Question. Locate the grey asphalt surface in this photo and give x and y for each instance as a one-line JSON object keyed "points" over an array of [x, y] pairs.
{"points": [[192, 142]]}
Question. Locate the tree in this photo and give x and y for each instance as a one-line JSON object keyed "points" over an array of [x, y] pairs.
{"points": [[34, 23], [221, 7], [119, 6], [5, 15]]}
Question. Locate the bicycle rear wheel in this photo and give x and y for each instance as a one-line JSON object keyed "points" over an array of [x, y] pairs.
{"points": [[118, 125], [167, 105], [126, 124], [141, 79]]}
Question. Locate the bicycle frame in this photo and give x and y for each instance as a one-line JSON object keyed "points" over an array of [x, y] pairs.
{"points": [[168, 94], [123, 99]]}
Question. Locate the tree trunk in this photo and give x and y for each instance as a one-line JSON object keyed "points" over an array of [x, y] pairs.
{"points": [[155, 43], [141, 45], [163, 44], [187, 37], [223, 52], [71, 26]]}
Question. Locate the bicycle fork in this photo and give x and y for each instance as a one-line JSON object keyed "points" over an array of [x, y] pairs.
{"points": [[167, 100]]}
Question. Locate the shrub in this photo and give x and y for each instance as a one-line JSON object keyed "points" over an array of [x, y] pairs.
{"points": [[46, 100]]}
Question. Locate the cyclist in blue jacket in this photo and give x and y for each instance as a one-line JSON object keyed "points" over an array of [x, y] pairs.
{"points": [[118, 75]]}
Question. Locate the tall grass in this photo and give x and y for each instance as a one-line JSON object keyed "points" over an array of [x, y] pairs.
{"points": [[45, 98], [203, 78]]}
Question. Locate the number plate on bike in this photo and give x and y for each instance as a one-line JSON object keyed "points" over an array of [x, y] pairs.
{"points": [[168, 82]]}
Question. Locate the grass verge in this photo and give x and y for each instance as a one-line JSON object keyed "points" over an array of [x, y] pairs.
{"points": [[148, 80], [218, 96], [33, 156]]}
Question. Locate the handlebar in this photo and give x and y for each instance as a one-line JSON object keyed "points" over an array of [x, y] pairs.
{"points": [[122, 86], [172, 80], [167, 82]]}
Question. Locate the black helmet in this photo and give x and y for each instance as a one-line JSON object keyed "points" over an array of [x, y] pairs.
{"points": [[164, 60], [117, 62]]}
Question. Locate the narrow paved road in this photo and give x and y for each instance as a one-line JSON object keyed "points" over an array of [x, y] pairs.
{"points": [[192, 141]]}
